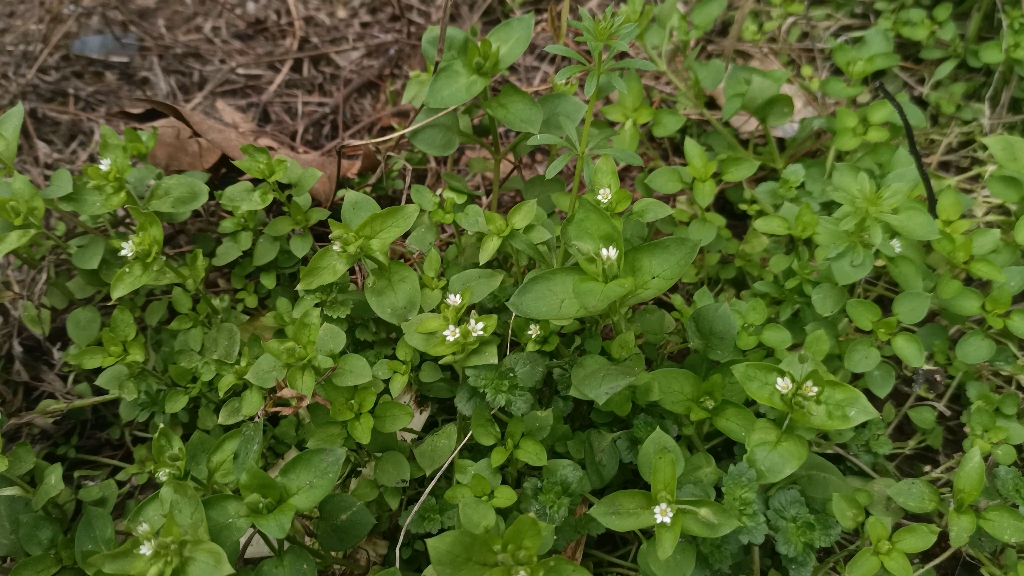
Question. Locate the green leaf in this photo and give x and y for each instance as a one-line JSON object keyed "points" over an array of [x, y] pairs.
{"points": [[669, 179], [827, 298], [352, 370], [204, 559], [654, 444], [915, 538], [177, 193], [896, 562], [476, 515], [384, 227], [711, 330], [705, 518], [325, 267], [83, 325], [861, 355], [453, 84], [516, 109], [391, 416], [440, 136], [865, 563], [1002, 523], [680, 563], [479, 281], [344, 522], [94, 535], [975, 347], [969, 478], [434, 451], [394, 294], [915, 495], [266, 371], [911, 306], [391, 469], [15, 239], [10, 134], [51, 485], [548, 295], [308, 477], [625, 510], [461, 553], [292, 562], [774, 454], [511, 38], [666, 122], [961, 524], [908, 348], [913, 223], [1007, 150], [595, 378], [759, 380], [43, 565]]}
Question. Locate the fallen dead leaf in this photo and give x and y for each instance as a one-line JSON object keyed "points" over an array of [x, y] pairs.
{"points": [[194, 138], [574, 551], [747, 126]]}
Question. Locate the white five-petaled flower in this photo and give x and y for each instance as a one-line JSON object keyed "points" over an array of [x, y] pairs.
{"points": [[810, 389], [453, 299], [783, 384], [336, 245], [604, 195], [163, 475], [476, 327], [896, 246], [127, 248], [610, 253], [534, 331], [104, 164], [452, 333], [147, 548], [662, 514]]}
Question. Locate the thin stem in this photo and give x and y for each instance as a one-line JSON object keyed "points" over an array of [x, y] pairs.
{"points": [[585, 136], [936, 562], [65, 406], [102, 460], [497, 156], [611, 559], [755, 559]]}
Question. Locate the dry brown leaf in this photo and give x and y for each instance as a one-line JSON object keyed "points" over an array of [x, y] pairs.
{"points": [[179, 150], [234, 116], [229, 141], [574, 551], [747, 126]]}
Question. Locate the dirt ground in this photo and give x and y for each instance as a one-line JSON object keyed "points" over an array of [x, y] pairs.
{"points": [[311, 73]]}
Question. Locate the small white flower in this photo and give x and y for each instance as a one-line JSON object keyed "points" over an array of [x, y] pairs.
{"points": [[610, 253], [336, 245], [104, 164], [476, 327], [453, 299], [809, 389], [522, 573], [534, 331], [163, 475], [783, 384], [452, 333], [662, 514], [604, 195], [127, 248], [896, 246], [143, 529], [147, 548]]}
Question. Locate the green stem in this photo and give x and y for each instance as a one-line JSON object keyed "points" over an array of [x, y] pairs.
{"points": [[585, 137], [64, 407], [496, 155], [102, 460], [773, 147], [21, 484]]}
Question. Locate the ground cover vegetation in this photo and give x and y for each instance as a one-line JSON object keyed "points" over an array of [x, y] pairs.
{"points": [[738, 324]]}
